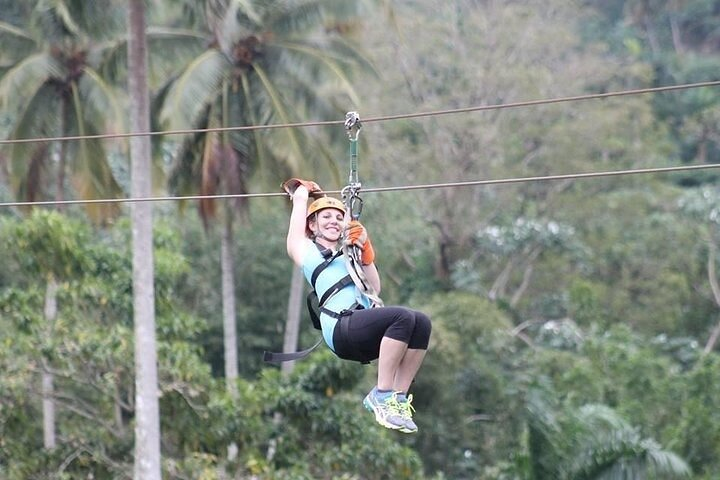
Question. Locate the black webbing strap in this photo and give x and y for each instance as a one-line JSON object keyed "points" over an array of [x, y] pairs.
{"points": [[329, 256], [272, 357], [345, 334], [337, 286]]}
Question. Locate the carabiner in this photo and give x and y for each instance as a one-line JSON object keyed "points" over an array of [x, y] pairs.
{"points": [[352, 200], [352, 125], [356, 206]]}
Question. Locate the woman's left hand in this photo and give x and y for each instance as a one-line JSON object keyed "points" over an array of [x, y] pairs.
{"points": [[357, 235]]}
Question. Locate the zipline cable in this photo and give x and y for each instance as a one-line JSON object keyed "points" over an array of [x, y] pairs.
{"points": [[479, 108], [501, 181]]}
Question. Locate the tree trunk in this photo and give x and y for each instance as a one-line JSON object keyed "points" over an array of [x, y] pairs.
{"points": [[715, 287], [147, 417], [227, 273], [48, 403], [292, 323], [228, 302]]}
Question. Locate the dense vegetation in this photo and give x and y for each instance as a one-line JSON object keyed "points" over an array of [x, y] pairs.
{"points": [[576, 321]]}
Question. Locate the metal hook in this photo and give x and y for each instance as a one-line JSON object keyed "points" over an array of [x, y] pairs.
{"points": [[352, 125], [351, 198]]}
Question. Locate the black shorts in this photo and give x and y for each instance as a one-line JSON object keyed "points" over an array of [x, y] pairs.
{"points": [[365, 329]]}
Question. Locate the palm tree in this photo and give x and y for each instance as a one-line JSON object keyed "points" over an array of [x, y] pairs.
{"points": [[591, 443], [60, 74], [53, 86], [267, 62], [147, 425]]}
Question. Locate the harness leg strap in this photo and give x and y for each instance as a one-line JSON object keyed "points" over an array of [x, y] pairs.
{"points": [[345, 334]]}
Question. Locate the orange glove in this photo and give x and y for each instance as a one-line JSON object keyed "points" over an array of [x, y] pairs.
{"points": [[358, 236], [313, 188]]}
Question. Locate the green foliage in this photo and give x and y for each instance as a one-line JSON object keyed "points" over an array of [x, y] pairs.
{"points": [[469, 374], [324, 432], [591, 442], [53, 240], [567, 315], [696, 433]]}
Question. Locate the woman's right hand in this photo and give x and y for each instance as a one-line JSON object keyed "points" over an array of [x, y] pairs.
{"points": [[301, 193], [293, 184]]}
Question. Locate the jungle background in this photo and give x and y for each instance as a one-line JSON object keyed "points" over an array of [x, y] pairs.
{"points": [[575, 321]]}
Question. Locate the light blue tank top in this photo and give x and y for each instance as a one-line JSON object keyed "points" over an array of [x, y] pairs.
{"points": [[342, 300]]}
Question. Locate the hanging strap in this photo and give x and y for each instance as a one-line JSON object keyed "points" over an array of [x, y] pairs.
{"points": [[277, 357]]}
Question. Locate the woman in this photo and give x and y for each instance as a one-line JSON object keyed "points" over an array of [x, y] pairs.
{"points": [[396, 336]]}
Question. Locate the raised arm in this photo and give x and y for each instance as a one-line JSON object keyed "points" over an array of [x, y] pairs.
{"points": [[296, 239]]}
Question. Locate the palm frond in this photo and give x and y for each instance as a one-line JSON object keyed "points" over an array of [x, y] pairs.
{"points": [[93, 176], [78, 19], [194, 90], [169, 48], [612, 454], [186, 171], [100, 101], [35, 120], [28, 186], [24, 79], [211, 175], [331, 64], [190, 13], [254, 120], [351, 53], [16, 43], [281, 111], [598, 417], [294, 19], [232, 25], [55, 17], [245, 9], [664, 463]]}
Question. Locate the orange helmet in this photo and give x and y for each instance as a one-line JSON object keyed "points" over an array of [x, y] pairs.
{"points": [[325, 202]]}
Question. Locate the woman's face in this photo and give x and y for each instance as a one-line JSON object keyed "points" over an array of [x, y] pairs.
{"points": [[328, 224]]}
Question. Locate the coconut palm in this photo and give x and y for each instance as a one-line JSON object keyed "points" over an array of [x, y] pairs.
{"points": [[59, 72], [54, 87], [267, 62]]}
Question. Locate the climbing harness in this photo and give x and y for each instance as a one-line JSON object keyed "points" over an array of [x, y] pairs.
{"points": [[352, 204], [315, 306]]}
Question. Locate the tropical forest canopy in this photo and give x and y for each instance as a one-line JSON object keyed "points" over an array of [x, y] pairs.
{"points": [[576, 321]]}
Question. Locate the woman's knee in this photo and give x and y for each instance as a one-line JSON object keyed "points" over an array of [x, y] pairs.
{"points": [[402, 325], [421, 333]]}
